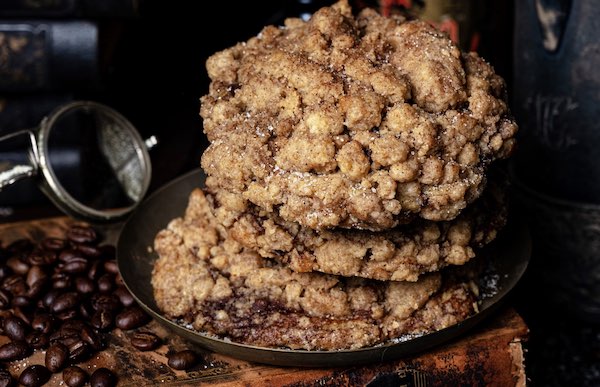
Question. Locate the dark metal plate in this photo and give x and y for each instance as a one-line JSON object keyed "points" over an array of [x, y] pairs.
{"points": [[508, 257]]}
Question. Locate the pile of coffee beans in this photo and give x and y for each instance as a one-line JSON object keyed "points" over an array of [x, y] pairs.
{"points": [[64, 296]]}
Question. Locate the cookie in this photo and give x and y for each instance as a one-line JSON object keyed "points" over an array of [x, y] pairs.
{"points": [[207, 280], [399, 254], [362, 122]]}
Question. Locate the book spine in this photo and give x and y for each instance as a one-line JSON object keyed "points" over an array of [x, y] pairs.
{"points": [[38, 55]]}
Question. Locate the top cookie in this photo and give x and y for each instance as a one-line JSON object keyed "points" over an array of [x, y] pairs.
{"points": [[356, 122]]}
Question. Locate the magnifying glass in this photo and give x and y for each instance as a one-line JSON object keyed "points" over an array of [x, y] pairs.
{"points": [[113, 169]]}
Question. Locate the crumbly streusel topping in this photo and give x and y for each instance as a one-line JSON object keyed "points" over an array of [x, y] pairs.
{"points": [[208, 280], [400, 254], [354, 122]]}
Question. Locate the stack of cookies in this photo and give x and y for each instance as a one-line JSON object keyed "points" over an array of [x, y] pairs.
{"points": [[348, 181]]}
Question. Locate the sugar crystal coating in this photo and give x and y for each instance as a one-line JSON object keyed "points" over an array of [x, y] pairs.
{"points": [[353, 121], [209, 281], [399, 254]]}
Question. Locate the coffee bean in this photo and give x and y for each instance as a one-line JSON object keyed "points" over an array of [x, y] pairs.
{"points": [[89, 251], [42, 322], [15, 350], [4, 272], [96, 270], [68, 341], [103, 377], [24, 313], [34, 376], [6, 379], [74, 325], [15, 328], [81, 234], [53, 244], [125, 297], [17, 265], [106, 283], [35, 274], [37, 288], [68, 255], [103, 320], [64, 302], [88, 335], [74, 266], [14, 284], [79, 350], [84, 285], [145, 341], [5, 299], [61, 281], [50, 297], [67, 314], [111, 266], [132, 317], [21, 301], [183, 360], [42, 257], [105, 302], [74, 376], [70, 327], [56, 357], [36, 258], [86, 310], [37, 340], [64, 335]]}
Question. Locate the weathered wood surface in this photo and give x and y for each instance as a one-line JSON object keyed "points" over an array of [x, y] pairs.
{"points": [[491, 354]]}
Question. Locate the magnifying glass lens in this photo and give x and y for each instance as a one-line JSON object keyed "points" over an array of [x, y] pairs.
{"points": [[95, 160]]}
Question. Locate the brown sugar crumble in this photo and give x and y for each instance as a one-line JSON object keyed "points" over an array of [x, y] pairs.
{"points": [[211, 282], [353, 121], [349, 187], [399, 254]]}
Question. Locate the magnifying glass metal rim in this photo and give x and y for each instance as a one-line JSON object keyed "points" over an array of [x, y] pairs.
{"points": [[57, 192]]}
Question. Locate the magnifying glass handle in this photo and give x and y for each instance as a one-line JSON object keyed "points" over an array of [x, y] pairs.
{"points": [[17, 168]]}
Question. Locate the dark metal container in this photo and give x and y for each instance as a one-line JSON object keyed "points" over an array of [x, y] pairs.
{"points": [[556, 100]]}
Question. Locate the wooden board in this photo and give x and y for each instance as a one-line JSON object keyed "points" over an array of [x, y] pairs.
{"points": [[490, 355]]}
